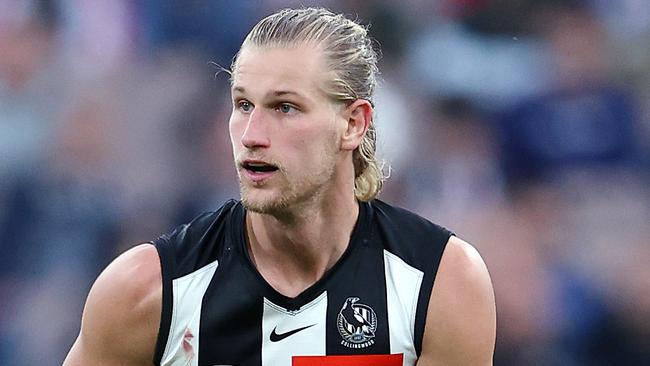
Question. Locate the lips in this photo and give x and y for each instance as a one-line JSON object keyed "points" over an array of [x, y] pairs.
{"points": [[258, 170], [258, 166]]}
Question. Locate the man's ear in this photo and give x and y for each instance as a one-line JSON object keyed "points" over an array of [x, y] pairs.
{"points": [[359, 117]]}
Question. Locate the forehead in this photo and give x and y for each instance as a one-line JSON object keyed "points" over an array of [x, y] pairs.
{"points": [[298, 68]]}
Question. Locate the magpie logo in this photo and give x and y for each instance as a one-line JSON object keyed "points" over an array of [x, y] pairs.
{"points": [[357, 324], [277, 337]]}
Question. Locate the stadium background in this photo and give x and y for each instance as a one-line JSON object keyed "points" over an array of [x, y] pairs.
{"points": [[522, 125]]}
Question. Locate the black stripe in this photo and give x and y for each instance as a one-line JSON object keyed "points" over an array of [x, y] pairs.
{"points": [[425, 292], [167, 265], [231, 318], [362, 278]]}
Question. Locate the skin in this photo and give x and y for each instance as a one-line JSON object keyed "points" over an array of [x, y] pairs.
{"points": [[299, 221], [292, 213], [122, 313]]}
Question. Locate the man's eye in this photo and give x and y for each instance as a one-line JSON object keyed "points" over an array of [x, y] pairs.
{"points": [[245, 106], [286, 108]]}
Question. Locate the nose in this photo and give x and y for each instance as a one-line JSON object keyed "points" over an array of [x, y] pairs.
{"points": [[256, 134]]}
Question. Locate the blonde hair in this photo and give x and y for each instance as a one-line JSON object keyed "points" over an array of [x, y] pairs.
{"points": [[350, 56]]}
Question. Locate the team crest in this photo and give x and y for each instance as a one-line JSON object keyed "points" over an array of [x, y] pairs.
{"points": [[357, 324]]}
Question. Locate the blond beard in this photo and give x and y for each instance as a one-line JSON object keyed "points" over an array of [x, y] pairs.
{"points": [[305, 189], [297, 191]]}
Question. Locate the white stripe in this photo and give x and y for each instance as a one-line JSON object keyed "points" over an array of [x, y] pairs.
{"points": [[403, 284], [307, 342], [188, 292]]}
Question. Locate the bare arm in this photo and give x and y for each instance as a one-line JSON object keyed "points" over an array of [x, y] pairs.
{"points": [[461, 319], [122, 313]]}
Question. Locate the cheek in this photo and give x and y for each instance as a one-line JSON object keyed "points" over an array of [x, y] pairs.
{"points": [[316, 146], [235, 128], [307, 139]]}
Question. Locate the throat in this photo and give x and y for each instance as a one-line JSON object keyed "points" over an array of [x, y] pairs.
{"points": [[291, 270], [286, 285], [292, 255], [291, 265]]}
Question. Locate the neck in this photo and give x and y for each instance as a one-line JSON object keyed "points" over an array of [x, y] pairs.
{"points": [[293, 251]]}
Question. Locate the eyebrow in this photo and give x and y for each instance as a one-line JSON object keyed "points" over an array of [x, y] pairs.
{"points": [[279, 93], [276, 93]]}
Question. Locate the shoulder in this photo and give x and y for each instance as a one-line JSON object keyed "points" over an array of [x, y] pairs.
{"points": [[461, 317], [132, 281], [411, 237], [399, 221], [122, 313], [204, 222], [206, 232]]}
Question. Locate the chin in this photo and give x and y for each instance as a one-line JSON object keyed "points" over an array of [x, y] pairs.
{"points": [[263, 202], [281, 201]]}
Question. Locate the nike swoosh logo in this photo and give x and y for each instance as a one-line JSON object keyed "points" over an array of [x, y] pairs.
{"points": [[275, 337]]}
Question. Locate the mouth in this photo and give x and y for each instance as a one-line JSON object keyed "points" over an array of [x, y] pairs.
{"points": [[258, 170], [255, 166]]}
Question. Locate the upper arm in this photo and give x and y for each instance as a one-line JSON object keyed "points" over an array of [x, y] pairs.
{"points": [[461, 318], [122, 314]]}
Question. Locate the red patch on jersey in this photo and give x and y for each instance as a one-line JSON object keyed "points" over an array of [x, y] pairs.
{"points": [[187, 345], [356, 360]]}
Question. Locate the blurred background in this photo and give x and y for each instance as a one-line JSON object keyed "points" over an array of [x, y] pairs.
{"points": [[522, 125]]}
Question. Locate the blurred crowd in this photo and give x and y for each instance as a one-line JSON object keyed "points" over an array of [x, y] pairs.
{"points": [[522, 125]]}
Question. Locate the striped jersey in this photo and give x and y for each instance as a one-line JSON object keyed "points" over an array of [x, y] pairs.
{"points": [[368, 309]]}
